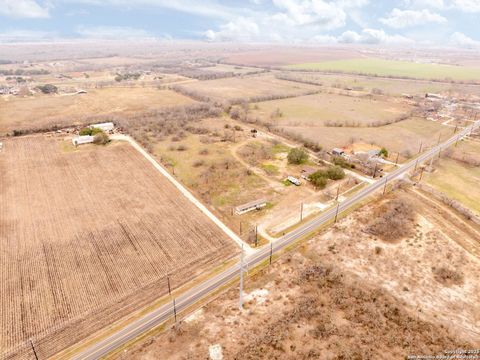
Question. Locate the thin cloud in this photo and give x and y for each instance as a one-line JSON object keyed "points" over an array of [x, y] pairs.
{"points": [[24, 9], [112, 32], [400, 19]]}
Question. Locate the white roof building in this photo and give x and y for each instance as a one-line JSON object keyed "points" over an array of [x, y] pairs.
{"points": [[80, 140], [108, 126]]}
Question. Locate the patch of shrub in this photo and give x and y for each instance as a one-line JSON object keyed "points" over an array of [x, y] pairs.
{"points": [[319, 179], [48, 89], [101, 139], [335, 173], [447, 276], [297, 156], [393, 221]]}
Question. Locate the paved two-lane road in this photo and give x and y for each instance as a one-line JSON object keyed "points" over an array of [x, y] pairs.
{"points": [[163, 313]]}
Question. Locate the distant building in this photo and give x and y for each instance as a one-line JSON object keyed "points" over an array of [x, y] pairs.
{"points": [[338, 152], [79, 92], [373, 153], [80, 140], [106, 127], [1, 146], [294, 180], [254, 205], [434, 96]]}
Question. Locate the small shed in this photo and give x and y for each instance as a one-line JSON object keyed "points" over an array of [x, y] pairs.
{"points": [[84, 139], [1, 146], [253, 205], [294, 180], [338, 152], [108, 126]]}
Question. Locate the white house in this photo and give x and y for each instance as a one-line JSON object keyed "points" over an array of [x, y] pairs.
{"points": [[254, 205], [84, 139], [108, 126]]}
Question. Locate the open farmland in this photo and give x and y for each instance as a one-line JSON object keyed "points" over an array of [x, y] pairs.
{"points": [[458, 175], [41, 110], [88, 236], [337, 121], [246, 88], [395, 87], [392, 68], [331, 109]]}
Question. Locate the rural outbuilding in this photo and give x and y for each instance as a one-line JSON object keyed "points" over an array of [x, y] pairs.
{"points": [[338, 152], [109, 126], [80, 140], [254, 205]]}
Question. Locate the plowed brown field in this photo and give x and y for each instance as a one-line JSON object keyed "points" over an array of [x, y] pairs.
{"points": [[86, 237]]}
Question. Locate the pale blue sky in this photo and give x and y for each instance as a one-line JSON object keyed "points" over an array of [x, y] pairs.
{"points": [[395, 22]]}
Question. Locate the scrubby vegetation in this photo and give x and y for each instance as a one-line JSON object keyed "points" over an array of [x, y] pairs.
{"points": [[297, 156], [393, 220]]}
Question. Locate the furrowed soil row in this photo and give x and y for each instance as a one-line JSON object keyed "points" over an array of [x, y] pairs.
{"points": [[87, 237]]}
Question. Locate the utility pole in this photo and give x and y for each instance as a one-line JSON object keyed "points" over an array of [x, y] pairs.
{"points": [[396, 161], [241, 280], [175, 311], [455, 130], [301, 212], [421, 174], [420, 149], [338, 193], [439, 138], [33, 349], [256, 235], [385, 187], [375, 170], [168, 281], [336, 213], [240, 227], [416, 164], [271, 252]]}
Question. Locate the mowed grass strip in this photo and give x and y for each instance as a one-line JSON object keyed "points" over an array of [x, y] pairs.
{"points": [[380, 67]]}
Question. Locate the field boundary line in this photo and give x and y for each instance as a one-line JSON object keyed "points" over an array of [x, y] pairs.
{"points": [[184, 191]]}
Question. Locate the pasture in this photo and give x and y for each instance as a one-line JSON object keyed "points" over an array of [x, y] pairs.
{"points": [[42, 110], [246, 88], [394, 87], [458, 175], [380, 67], [88, 235], [331, 110]]}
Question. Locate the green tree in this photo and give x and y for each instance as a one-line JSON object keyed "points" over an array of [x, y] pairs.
{"points": [[383, 152], [335, 173], [297, 156], [48, 89], [85, 131], [319, 179]]}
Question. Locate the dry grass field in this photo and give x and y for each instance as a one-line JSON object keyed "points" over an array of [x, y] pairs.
{"points": [[247, 88], [88, 236], [278, 55], [41, 110], [330, 109], [393, 87], [458, 175], [346, 294]]}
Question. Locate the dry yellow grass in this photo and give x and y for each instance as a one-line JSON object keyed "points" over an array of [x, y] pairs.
{"points": [[35, 112]]}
